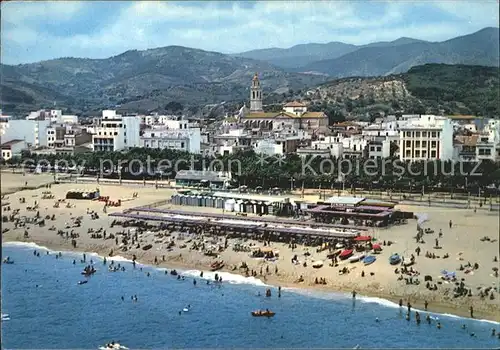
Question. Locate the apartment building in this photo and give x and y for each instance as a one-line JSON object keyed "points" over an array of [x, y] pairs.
{"points": [[428, 137], [33, 131], [188, 140], [115, 132]]}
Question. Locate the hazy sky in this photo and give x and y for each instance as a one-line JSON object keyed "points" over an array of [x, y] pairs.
{"points": [[34, 31]]}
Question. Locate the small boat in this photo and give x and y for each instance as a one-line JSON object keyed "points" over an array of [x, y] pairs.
{"points": [[82, 282], [5, 317], [185, 309], [370, 259], [217, 265], [263, 313], [113, 346], [317, 264], [345, 254], [8, 261], [356, 258], [394, 259]]}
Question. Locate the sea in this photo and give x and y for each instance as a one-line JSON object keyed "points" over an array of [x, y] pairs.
{"points": [[43, 306]]}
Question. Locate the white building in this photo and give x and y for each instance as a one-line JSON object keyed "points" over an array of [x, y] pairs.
{"points": [[115, 132], [33, 132], [12, 148], [268, 147], [429, 137], [379, 149], [188, 140]]}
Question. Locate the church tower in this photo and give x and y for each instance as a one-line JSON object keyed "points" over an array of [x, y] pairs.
{"points": [[255, 95]]}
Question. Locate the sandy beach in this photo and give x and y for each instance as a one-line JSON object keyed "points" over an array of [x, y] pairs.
{"points": [[462, 243]]}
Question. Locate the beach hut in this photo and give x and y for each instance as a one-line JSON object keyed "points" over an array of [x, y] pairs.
{"points": [[238, 206], [229, 205], [269, 209], [253, 206]]}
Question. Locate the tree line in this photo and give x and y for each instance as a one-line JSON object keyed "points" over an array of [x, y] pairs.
{"points": [[289, 171]]}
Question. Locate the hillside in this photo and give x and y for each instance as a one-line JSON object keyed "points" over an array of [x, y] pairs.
{"points": [[301, 55], [431, 88], [140, 80], [480, 48]]}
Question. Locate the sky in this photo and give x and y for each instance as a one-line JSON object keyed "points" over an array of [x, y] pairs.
{"points": [[42, 30]]}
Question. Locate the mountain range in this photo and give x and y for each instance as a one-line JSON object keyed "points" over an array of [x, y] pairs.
{"points": [[301, 55], [339, 60], [148, 80]]}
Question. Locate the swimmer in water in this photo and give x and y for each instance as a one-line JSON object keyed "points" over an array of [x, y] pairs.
{"points": [[438, 325], [377, 320], [464, 326]]}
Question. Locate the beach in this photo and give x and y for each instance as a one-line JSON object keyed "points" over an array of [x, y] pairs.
{"points": [[462, 243]]}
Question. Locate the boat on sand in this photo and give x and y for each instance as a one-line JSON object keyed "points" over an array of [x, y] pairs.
{"points": [[217, 265], [345, 254], [356, 258], [370, 259]]}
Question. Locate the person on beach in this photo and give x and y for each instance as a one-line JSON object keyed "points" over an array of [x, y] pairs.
{"points": [[354, 294], [471, 309], [425, 305]]}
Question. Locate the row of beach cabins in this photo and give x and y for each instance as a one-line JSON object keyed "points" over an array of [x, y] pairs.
{"points": [[357, 210]]}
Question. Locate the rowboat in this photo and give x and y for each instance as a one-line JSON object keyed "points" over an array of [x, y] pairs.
{"points": [[217, 265], [263, 313], [345, 254], [370, 259]]}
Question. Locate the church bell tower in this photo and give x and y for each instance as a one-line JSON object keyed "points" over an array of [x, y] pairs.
{"points": [[255, 95]]}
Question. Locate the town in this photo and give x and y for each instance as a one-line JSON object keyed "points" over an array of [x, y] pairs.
{"points": [[409, 138]]}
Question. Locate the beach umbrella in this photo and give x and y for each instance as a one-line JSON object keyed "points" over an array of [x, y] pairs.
{"points": [[376, 247]]}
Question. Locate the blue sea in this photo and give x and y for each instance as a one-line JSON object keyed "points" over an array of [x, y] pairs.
{"points": [[48, 309]]}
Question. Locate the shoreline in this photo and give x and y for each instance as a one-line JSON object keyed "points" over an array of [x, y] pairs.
{"points": [[441, 308]]}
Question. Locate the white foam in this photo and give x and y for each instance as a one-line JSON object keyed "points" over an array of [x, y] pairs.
{"points": [[30, 245], [226, 277]]}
